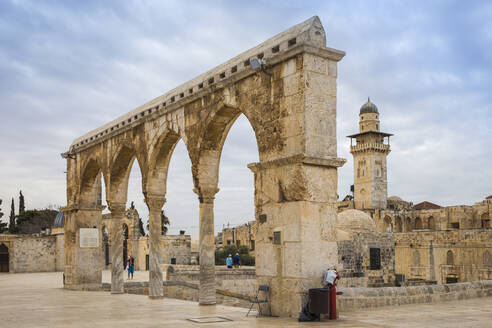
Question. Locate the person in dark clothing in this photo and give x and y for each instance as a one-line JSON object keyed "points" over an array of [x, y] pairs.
{"points": [[236, 260]]}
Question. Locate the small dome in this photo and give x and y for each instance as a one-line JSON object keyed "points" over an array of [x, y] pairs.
{"points": [[368, 107], [395, 198], [59, 221], [355, 221]]}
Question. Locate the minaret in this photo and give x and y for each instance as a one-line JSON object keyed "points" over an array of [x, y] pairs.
{"points": [[370, 151]]}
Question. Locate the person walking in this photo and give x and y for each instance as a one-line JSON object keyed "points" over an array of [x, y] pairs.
{"points": [[236, 260], [131, 267], [229, 261]]}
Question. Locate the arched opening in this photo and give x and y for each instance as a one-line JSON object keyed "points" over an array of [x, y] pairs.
{"points": [[431, 223], [180, 207], [408, 225], [450, 258], [485, 221], [4, 258], [418, 224], [234, 204], [125, 244], [119, 174], [388, 224], [416, 258], [105, 244], [91, 185], [398, 224], [487, 259]]}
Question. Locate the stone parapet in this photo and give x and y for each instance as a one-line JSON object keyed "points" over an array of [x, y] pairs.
{"points": [[361, 298]]}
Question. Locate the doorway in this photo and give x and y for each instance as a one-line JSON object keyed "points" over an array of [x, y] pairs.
{"points": [[4, 258]]}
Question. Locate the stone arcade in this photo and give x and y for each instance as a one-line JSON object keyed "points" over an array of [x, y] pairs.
{"points": [[291, 105]]}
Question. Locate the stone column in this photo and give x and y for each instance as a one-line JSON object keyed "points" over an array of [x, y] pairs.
{"points": [[117, 214], [155, 203], [206, 294]]}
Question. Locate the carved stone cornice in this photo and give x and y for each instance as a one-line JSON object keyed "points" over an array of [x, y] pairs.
{"points": [[117, 209], [155, 202], [333, 162], [206, 194]]}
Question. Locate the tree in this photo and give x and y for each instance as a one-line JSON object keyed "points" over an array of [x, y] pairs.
{"points": [[3, 225], [22, 206], [12, 227], [34, 221], [141, 226], [164, 222]]}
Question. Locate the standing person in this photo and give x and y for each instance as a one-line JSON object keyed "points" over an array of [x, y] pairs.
{"points": [[131, 267], [236, 260], [229, 261], [331, 277]]}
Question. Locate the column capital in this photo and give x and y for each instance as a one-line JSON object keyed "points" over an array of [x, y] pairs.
{"points": [[155, 202], [206, 194], [116, 207]]}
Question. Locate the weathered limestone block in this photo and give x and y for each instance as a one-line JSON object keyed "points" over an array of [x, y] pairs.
{"points": [[83, 266]]}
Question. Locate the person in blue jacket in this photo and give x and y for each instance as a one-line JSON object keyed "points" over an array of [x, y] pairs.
{"points": [[229, 261], [236, 261]]}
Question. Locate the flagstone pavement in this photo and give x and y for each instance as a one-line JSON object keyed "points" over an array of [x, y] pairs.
{"points": [[38, 300]]}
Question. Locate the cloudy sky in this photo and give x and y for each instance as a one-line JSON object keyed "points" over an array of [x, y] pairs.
{"points": [[67, 67]]}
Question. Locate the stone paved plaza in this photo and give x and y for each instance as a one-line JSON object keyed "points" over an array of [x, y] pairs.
{"points": [[38, 300]]}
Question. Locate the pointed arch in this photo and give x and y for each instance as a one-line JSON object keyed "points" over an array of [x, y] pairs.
{"points": [[212, 141], [119, 171], [90, 192], [159, 158], [431, 223], [398, 225], [388, 224]]}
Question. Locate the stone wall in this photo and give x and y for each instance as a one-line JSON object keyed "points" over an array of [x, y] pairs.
{"points": [[361, 298], [437, 256], [243, 235], [184, 291], [177, 247], [351, 300], [33, 254], [355, 260], [241, 280]]}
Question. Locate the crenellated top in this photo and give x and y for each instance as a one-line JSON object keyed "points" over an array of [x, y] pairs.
{"points": [[310, 33]]}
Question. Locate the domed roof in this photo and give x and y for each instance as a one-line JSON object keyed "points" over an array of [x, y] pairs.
{"points": [[59, 220], [395, 198], [368, 107], [355, 221]]}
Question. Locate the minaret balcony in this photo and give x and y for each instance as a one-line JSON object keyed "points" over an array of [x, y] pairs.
{"points": [[373, 146]]}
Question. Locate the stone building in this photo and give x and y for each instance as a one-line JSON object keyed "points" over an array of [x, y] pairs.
{"points": [[432, 244], [242, 235], [365, 258], [31, 253]]}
